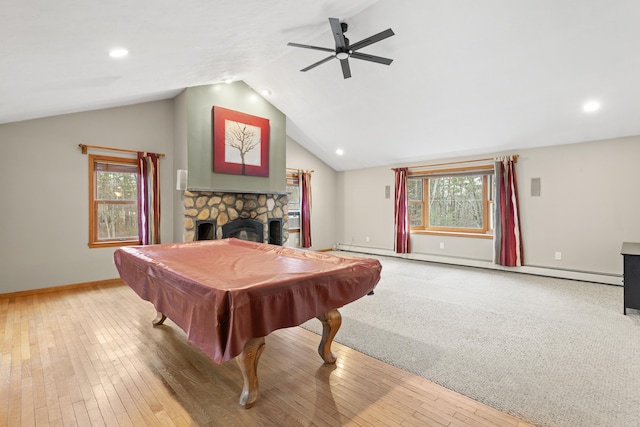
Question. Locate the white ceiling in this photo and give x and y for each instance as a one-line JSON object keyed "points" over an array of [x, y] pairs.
{"points": [[469, 77]]}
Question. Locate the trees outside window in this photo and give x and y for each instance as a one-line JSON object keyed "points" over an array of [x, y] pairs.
{"points": [[451, 201], [293, 188], [113, 200]]}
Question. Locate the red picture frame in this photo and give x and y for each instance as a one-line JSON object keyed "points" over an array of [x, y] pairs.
{"points": [[240, 143]]}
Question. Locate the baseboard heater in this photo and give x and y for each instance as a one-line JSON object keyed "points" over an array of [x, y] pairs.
{"points": [[583, 276]]}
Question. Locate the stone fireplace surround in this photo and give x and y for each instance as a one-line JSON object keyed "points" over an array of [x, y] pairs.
{"points": [[224, 207]]}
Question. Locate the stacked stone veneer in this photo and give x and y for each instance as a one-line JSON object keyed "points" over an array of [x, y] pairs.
{"points": [[226, 207]]}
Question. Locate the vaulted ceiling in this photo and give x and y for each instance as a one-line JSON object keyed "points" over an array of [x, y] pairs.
{"points": [[468, 77]]}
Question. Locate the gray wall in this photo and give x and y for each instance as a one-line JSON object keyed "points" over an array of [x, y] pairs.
{"points": [[44, 215], [44, 219], [589, 205], [324, 233], [239, 97], [180, 162]]}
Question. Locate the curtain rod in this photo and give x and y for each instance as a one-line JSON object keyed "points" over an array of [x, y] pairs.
{"points": [[84, 148], [515, 159], [296, 170]]}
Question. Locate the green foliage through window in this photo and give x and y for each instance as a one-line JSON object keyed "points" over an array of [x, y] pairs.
{"points": [[113, 213], [456, 202], [451, 202], [117, 196], [293, 188]]}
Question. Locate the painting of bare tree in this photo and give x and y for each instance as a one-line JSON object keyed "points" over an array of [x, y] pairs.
{"points": [[240, 143]]}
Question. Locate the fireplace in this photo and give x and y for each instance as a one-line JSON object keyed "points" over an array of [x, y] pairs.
{"points": [[212, 215], [244, 229]]}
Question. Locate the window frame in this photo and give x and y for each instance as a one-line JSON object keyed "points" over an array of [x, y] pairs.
{"points": [[293, 180], [94, 242], [486, 171]]}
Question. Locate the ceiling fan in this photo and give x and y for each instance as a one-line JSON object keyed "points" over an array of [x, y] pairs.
{"points": [[344, 50]]}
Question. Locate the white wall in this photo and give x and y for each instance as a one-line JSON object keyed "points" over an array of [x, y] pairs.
{"points": [[589, 205], [323, 198], [44, 215]]}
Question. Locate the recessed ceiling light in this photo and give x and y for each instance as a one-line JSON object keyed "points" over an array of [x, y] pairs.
{"points": [[265, 92], [118, 53], [227, 80], [591, 106], [339, 151]]}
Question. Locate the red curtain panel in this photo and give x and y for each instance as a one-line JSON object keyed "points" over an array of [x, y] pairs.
{"points": [[402, 224], [507, 236], [305, 209], [148, 198]]}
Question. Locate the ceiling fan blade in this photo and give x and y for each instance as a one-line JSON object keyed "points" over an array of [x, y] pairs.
{"points": [[372, 58], [346, 70], [336, 29], [306, 46], [373, 39], [328, 58]]}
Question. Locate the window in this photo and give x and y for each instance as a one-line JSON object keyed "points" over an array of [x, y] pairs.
{"points": [[293, 188], [454, 201], [113, 201]]}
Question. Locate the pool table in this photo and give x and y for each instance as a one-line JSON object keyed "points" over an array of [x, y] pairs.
{"points": [[228, 295]]}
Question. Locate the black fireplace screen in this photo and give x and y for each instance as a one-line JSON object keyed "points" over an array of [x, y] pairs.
{"points": [[244, 229]]}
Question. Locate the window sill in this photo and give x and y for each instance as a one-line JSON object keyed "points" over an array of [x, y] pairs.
{"points": [[112, 244], [453, 234]]}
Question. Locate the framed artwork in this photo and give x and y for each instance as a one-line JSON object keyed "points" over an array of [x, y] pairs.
{"points": [[240, 143]]}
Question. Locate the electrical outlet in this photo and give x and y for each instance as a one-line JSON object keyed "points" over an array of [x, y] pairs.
{"points": [[367, 238], [441, 245], [558, 255]]}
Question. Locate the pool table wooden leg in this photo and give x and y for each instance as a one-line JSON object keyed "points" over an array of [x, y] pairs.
{"points": [[248, 363], [331, 321], [159, 320]]}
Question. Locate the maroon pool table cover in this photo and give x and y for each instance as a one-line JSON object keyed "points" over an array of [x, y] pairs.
{"points": [[224, 292]]}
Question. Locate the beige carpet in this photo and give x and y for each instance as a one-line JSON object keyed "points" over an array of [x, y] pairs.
{"points": [[554, 352]]}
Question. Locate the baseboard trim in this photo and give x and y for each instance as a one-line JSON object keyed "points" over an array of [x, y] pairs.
{"points": [[62, 288], [583, 276]]}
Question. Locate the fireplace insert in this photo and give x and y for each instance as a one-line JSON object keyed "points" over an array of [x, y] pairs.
{"points": [[244, 229]]}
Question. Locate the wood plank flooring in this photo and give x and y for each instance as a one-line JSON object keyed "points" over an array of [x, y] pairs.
{"points": [[90, 357]]}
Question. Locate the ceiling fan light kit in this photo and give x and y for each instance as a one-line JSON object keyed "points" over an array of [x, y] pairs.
{"points": [[343, 50]]}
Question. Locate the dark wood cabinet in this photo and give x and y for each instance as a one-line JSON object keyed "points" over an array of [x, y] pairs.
{"points": [[631, 254]]}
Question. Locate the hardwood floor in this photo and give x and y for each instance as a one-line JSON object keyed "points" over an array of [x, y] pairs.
{"points": [[90, 357]]}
